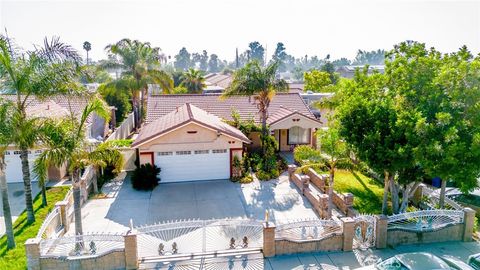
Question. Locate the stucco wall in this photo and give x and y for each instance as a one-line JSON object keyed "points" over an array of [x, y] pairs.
{"points": [[284, 140], [112, 260], [180, 139], [296, 120], [332, 243], [399, 237]]}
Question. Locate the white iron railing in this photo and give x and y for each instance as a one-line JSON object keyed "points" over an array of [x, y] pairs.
{"points": [[308, 230], [81, 245], [425, 220], [434, 199], [51, 225]]}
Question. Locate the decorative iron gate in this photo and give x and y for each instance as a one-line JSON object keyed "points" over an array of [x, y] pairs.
{"points": [[198, 236], [364, 231]]}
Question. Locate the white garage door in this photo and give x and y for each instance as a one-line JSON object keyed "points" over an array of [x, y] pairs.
{"points": [[13, 172], [178, 166]]}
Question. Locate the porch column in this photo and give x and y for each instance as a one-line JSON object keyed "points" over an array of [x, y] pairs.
{"points": [[268, 239]]}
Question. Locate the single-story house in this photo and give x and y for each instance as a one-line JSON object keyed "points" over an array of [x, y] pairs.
{"points": [[52, 107], [186, 137]]}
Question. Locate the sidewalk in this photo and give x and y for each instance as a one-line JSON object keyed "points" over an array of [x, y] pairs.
{"points": [[321, 260]]}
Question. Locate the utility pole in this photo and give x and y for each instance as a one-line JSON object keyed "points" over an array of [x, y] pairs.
{"points": [[236, 58]]}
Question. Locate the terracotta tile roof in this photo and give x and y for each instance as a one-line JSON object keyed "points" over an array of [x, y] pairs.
{"points": [[222, 80], [53, 106], [283, 113], [181, 116], [160, 105]]}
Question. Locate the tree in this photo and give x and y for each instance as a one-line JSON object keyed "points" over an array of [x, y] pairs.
{"points": [[43, 72], [369, 121], [65, 143], [369, 57], [140, 64], [214, 64], [257, 52], [119, 99], [443, 91], [201, 59], [317, 81], [182, 60], [6, 136], [341, 62], [194, 81], [261, 83], [87, 47], [334, 152], [280, 56]]}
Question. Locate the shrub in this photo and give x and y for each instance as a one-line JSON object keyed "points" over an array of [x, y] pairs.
{"points": [[262, 175], [304, 153], [246, 179], [145, 177]]}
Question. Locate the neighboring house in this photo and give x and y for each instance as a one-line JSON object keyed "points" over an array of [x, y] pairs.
{"points": [[311, 98], [349, 71], [53, 107], [217, 83], [186, 137]]}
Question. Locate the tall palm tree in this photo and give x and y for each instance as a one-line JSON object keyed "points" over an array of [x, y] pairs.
{"points": [[259, 82], [42, 72], [194, 81], [6, 130], [65, 142], [140, 65], [87, 46]]}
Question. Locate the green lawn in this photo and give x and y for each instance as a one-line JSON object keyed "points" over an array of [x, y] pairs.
{"points": [[368, 193], [16, 258]]}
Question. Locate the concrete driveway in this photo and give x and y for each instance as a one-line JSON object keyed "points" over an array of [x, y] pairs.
{"points": [[193, 200], [16, 197]]}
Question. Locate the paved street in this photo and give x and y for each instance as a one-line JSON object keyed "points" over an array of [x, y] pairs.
{"points": [[324, 260], [16, 197], [193, 200]]}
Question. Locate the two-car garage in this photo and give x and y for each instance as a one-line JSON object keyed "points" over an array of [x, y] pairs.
{"points": [[191, 165]]}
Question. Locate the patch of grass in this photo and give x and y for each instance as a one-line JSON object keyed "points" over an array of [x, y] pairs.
{"points": [[15, 258], [368, 193]]}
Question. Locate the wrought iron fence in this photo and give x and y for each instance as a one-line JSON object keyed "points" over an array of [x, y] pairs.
{"points": [[196, 236], [308, 230], [425, 220], [434, 199], [51, 225], [81, 245]]}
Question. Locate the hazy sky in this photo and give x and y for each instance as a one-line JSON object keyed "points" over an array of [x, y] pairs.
{"points": [[315, 27]]}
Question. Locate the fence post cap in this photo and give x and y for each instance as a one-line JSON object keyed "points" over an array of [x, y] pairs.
{"points": [[468, 210], [382, 217], [268, 225], [131, 232], [347, 220], [33, 241], [61, 203]]}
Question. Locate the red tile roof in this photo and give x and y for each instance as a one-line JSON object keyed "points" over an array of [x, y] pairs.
{"points": [[182, 115], [53, 106], [160, 105]]}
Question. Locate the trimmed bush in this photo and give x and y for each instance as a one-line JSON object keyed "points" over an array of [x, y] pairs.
{"points": [[305, 153], [145, 177]]}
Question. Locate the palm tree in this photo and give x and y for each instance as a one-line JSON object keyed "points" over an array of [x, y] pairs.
{"points": [[259, 82], [334, 152], [140, 65], [43, 72], [194, 81], [65, 142], [6, 130], [87, 47]]}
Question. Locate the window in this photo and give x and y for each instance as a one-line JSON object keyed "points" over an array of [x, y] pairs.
{"points": [[16, 152], [219, 151], [164, 153], [298, 135], [7, 153], [183, 152], [199, 152]]}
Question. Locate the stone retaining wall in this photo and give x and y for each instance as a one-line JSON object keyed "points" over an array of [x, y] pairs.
{"points": [[112, 260], [333, 243], [401, 237]]}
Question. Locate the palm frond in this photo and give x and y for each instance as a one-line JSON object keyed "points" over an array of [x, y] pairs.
{"points": [[55, 50]]}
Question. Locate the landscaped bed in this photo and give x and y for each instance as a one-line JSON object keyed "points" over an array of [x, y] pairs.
{"points": [[16, 258]]}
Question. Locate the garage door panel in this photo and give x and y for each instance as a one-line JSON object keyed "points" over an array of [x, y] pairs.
{"points": [[178, 167], [13, 171]]}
